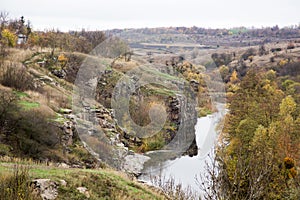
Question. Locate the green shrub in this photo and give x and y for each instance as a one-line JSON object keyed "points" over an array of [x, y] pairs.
{"points": [[4, 150], [8, 107]]}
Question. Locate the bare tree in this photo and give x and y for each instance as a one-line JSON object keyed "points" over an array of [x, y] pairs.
{"points": [[3, 19]]}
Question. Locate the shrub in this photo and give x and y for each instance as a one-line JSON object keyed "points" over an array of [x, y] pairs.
{"points": [[291, 69], [8, 38], [36, 135], [248, 53], [283, 62], [262, 50], [29, 131], [272, 59], [172, 189], [290, 46], [16, 76], [7, 107], [16, 186], [4, 150], [221, 59]]}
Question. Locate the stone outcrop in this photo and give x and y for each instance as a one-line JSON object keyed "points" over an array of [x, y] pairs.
{"points": [[183, 114], [104, 138], [68, 128], [101, 136]]}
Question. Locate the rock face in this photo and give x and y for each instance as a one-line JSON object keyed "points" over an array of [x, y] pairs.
{"points": [[101, 136], [180, 108], [182, 112], [46, 188], [68, 128], [99, 126]]}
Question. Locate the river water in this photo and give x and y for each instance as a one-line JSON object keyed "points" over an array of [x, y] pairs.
{"points": [[186, 168]]}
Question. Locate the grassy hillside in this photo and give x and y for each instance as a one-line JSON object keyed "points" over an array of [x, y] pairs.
{"points": [[100, 183]]}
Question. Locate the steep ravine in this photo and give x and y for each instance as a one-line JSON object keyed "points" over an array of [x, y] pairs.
{"points": [[178, 133]]}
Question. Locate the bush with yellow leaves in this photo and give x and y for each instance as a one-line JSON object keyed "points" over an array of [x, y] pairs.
{"points": [[8, 38]]}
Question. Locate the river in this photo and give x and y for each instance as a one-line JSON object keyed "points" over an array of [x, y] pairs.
{"points": [[186, 168]]}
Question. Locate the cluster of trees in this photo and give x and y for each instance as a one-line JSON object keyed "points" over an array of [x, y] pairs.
{"points": [[254, 32], [221, 59], [260, 153], [239, 36], [15, 32], [80, 41]]}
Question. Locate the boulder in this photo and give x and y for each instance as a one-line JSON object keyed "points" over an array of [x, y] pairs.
{"points": [[134, 163], [46, 188]]}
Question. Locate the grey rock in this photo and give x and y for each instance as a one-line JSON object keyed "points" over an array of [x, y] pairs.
{"points": [[46, 188], [130, 152], [63, 183], [63, 165], [121, 145], [134, 164], [65, 111], [46, 79], [84, 190]]}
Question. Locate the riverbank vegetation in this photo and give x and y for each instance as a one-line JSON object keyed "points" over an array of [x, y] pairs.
{"points": [[258, 154]]}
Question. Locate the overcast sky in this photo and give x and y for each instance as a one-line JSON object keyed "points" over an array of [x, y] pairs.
{"points": [[100, 14]]}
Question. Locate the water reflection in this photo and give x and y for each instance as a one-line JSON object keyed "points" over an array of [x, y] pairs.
{"points": [[185, 168]]}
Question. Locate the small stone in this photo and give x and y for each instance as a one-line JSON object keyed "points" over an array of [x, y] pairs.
{"points": [[65, 111], [71, 116], [130, 152], [120, 145], [84, 190], [63, 182], [63, 165], [46, 79]]}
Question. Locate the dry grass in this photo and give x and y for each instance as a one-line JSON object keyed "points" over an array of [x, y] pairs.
{"points": [[15, 75], [55, 98], [22, 161], [122, 66], [45, 106], [19, 55], [173, 190], [16, 185]]}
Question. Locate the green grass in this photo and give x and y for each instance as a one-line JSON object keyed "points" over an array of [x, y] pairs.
{"points": [[238, 30], [156, 73], [59, 119], [204, 112], [101, 183], [63, 110], [20, 94], [156, 90], [27, 105]]}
